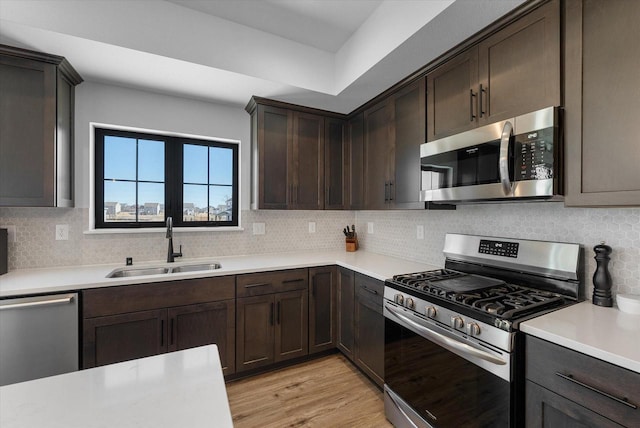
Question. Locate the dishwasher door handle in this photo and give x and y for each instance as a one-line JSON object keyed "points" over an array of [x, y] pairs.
{"points": [[34, 303]]}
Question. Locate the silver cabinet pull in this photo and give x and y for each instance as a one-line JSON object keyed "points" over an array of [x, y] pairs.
{"points": [[503, 163], [570, 378], [260, 284], [48, 302]]}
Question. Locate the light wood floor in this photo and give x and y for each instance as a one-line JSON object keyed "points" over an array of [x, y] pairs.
{"points": [[327, 392]]}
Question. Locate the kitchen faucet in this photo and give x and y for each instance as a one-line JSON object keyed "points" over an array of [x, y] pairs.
{"points": [[170, 254]]}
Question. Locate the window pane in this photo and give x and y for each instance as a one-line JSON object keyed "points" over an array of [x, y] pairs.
{"points": [[119, 201], [151, 202], [195, 164], [150, 160], [119, 158], [194, 205], [220, 199], [221, 165]]}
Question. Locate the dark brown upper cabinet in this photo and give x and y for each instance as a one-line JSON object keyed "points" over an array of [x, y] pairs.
{"points": [[393, 132], [336, 166], [36, 128], [602, 100], [288, 158], [513, 71]]}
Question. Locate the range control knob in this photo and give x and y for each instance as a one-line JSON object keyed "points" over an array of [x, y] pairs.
{"points": [[457, 322], [431, 311], [409, 303], [473, 329], [399, 299]]}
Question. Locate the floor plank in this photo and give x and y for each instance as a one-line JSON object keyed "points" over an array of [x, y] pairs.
{"points": [[327, 392]]}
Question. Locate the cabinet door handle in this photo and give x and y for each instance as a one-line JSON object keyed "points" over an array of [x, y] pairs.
{"points": [[289, 281], [278, 313], [623, 400], [481, 93], [392, 191], [386, 194], [161, 333], [259, 284], [472, 97], [271, 313], [171, 331]]}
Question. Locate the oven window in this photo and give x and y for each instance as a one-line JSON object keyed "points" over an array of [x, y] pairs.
{"points": [[440, 384], [464, 167]]}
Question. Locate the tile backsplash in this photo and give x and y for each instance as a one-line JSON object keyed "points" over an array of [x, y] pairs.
{"points": [[395, 233]]}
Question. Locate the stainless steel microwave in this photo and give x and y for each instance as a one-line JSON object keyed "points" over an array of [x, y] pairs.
{"points": [[515, 159]]}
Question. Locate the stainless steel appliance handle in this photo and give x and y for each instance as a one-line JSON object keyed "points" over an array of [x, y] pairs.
{"points": [[445, 341], [503, 163], [402, 412], [67, 299]]}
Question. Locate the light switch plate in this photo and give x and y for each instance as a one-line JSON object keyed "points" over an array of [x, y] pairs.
{"points": [[258, 229], [370, 227], [312, 227], [62, 232], [11, 232], [420, 232]]}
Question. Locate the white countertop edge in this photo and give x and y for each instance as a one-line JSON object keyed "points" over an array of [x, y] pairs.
{"points": [[607, 342]]}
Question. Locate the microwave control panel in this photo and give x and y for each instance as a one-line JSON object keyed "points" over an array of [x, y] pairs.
{"points": [[534, 155]]}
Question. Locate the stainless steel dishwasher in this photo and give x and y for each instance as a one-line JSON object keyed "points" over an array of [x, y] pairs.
{"points": [[38, 337]]}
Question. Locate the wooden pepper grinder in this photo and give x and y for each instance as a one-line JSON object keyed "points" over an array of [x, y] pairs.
{"points": [[602, 277]]}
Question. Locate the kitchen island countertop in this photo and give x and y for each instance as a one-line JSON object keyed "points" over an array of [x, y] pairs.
{"points": [[604, 333], [178, 389]]}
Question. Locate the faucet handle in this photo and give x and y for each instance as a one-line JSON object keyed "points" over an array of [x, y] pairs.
{"points": [[180, 251]]}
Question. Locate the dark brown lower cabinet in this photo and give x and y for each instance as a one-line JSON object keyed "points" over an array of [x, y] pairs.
{"points": [[271, 328], [346, 309], [135, 321], [322, 308]]}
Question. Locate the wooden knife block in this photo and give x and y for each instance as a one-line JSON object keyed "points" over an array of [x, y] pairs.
{"points": [[351, 244]]}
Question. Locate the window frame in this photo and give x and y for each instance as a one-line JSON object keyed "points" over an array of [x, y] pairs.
{"points": [[173, 178]]}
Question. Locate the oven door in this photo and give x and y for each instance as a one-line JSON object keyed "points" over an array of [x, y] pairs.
{"points": [[437, 377]]}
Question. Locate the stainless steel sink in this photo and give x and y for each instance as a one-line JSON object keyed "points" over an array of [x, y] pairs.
{"points": [[159, 270], [123, 273], [196, 267]]}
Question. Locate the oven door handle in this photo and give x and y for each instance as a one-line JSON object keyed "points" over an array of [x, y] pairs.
{"points": [[503, 163], [444, 341]]}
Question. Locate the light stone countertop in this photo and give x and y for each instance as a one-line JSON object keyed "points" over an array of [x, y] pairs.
{"points": [[177, 389], [604, 333], [62, 279]]}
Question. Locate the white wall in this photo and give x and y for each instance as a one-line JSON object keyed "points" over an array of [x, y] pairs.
{"points": [[116, 105]]}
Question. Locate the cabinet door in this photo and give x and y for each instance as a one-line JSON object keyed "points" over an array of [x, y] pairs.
{"points": [[378, 151], [346, 310], [116, 338], [204, 324], [408, 129], [64, 142], [335, 164], [308, 162], [254, 332], [322, 308], [519, 66], [369, 348], [292, 325], [27, 132], [356, 158], [452, 105], [545, 409], [602, 98], [275, 137]]}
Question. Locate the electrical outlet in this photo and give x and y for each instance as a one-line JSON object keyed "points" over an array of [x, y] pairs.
{"points": [[62, 232], [312, 227], [11, 233], [420, 232], [370, 227], [258, 229]]}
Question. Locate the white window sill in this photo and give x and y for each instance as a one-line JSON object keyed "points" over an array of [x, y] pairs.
{"points": [[162, 230]]}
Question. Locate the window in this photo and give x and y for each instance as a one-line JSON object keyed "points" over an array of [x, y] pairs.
{"points": [[141, 179]]}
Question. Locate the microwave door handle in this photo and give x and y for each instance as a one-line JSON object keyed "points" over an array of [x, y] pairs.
{"points": [[503, 163]]}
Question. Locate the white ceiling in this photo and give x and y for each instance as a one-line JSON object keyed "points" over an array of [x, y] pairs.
{"points": [[329, 54]]}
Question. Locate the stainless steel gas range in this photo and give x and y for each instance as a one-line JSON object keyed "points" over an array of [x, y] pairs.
{"points": [[453, 356]]}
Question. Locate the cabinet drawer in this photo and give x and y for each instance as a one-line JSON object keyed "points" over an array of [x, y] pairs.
{"points": [[257, 284], [369, 289], [141, 297], [606, 389]]}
